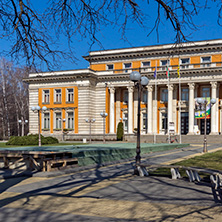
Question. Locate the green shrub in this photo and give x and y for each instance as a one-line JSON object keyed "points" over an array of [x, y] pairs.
{"points": [[119, 131], [32, 139]]}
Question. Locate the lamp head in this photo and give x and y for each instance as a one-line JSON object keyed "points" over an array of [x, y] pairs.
{"points": [[135, 76], [200, 100], [144, 81], [213, 101], [44, 108], [93, 120], [33, 108], [38, 108]]}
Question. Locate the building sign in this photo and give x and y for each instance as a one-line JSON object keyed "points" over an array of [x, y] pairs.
{"points": [[199, 109]]}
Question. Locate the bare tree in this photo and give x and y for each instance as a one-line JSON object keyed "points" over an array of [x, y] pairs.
{"points": [[33, 31]]}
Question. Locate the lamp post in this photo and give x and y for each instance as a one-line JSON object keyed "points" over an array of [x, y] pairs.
{"points": [[203, 103], [139, 83], [90, 121], [22, 121], [63, 120], [104, 115], [39, 109]]}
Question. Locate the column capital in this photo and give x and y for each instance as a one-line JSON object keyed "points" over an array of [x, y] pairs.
{"points": [[214, 84], [170, 87], [130, 89], [112, 90], [150, 88], [191, 85]]}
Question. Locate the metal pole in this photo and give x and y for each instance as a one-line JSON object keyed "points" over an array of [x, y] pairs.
{"points": [[138, 157], [104, 130], [90, 122], [39, 128], [205, 128]]}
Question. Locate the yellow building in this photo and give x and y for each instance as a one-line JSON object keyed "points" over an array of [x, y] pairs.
{"points": [[73, 96]]}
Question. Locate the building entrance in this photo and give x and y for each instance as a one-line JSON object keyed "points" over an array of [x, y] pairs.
{"points": [[184, 123], [208, 126]]}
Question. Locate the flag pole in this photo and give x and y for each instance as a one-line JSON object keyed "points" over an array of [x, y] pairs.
{"points": [[178, 71], [168, 76], [155, 131]]}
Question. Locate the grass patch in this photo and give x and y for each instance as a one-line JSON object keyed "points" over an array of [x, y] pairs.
{"points": [[207, 161]]}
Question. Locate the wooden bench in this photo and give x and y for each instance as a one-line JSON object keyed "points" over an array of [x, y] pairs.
{"points": [[192, 173]]}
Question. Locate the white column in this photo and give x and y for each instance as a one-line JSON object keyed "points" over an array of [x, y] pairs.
{"points": [[150, 110], [170, 103], [191, 108], [213, 115], [130, 109], [111, 111]]}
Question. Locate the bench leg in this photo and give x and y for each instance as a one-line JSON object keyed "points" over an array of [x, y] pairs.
{"points": [[142, 171], [193, 175], [175, 173]]}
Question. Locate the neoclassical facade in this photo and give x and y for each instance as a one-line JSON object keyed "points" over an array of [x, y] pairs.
{"points": [[75, 97]]}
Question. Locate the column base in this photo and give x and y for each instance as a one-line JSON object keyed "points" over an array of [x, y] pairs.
{"points": [[191, 133], [214, 133]]}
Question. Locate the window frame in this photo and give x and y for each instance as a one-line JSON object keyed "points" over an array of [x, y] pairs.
{"points": [[186, 93], [45, 96], [68, 100], [205, 64], [57, 96], [126, 69], [72, 120], [163, 92], [107, 67], [184, 65], [163, 67], [46, 120]]}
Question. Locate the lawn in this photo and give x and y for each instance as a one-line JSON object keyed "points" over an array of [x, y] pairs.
{"points": [[208, 160]]}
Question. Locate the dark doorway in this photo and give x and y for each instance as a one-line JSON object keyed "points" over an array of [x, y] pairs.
{"points": [[184, 123], [202, 126]]}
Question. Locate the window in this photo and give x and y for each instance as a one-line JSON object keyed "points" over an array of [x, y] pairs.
{"points": [[70, 95], [185, 63], [146, 64], [58, 124], [144, 97], [58, 95], [164, 95], [164, 64], [125, 118], [144, 121], [46, 120], [110, 67], [70, 122], [127, 66], [125, 97], [205, 92], [164, 122], [45, 96], [185, 94], [206, 61]]}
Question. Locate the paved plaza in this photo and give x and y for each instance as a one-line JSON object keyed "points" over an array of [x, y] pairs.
{"points": [[110, 193]]}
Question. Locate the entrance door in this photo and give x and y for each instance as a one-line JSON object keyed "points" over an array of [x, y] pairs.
{"points": [[184, 123], [202, 126]]}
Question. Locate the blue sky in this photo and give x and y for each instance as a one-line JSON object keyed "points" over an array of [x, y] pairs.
{"points": [[111, 38]]}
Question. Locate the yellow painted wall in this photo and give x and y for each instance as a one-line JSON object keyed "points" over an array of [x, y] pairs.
{"points": [[195, 60], [98, 67], [118, 65], [154, 63], [216, 58], [174, 62], [136, 64], [61, 105]]}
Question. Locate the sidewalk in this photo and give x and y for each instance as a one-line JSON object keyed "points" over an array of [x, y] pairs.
{"points": [[110, 193]]}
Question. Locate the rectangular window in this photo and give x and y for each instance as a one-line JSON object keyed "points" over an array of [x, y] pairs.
{"points": [[205, 61], [70, 122], [205, 92], [45, 96], [58, 124], [125, 119], [127, 66], [185, 94], [144, 97], [164, 122], [185, 63], [144, 121], [164, 64], [46, 121], [146, 64], [164, 95], [70, 95], [125, 97], [110, 66], [58, 95]]}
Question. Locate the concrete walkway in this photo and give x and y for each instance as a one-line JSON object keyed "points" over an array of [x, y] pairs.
{"points": [[110, 193]]}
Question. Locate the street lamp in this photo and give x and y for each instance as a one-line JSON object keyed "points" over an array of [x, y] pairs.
{"points": [[63, 120], [203, 103], [104, 115], [90, 121], [139, 83], [22, 121], [39, 109]]}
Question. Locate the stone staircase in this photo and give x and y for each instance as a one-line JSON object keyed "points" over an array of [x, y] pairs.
{"points": [[191, 139]]}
